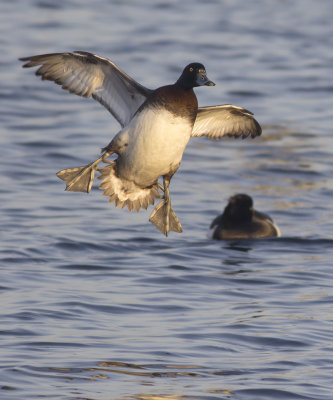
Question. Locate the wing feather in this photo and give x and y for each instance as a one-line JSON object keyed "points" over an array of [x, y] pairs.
{"points": [[87, 74], [225, 120]]}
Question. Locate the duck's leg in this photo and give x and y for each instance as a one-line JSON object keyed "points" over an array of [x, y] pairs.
{"points": [[80, 179], [163, 216]]}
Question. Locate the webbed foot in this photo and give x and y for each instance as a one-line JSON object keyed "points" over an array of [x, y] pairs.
{"points": [[80, 179]]}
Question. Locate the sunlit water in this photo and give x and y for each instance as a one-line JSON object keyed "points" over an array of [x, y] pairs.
{"points": [[95, 302]]}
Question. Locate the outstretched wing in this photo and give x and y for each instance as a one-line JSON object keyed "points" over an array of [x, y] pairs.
{"points": [[86, 75], [226, 120]]}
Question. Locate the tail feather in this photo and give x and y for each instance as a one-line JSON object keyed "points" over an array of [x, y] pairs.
{"points": [[112, 197], [129, 205], [136, 204], [126, 193]]}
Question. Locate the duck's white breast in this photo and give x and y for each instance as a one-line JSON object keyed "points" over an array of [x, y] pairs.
{"points": [[156, 142]]}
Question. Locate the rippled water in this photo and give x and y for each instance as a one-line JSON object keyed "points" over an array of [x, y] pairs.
{"points": [[95, 303]]}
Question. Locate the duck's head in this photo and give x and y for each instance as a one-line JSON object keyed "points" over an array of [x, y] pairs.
{"points": [[194, 75], [239, 208]]}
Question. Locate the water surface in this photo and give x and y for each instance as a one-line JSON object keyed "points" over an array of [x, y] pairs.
{"points": [[95, 303]]}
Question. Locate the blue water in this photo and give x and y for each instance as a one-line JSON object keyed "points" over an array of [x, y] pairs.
{"points": [[96, 303]]}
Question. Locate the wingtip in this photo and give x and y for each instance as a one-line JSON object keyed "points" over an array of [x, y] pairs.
{"points": [[24, 59], [258, 131]]}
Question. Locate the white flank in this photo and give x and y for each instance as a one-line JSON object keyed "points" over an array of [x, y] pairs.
{"points": [[278, 232]]}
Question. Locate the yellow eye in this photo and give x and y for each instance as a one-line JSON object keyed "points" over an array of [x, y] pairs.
{"points": [[191, 69]]}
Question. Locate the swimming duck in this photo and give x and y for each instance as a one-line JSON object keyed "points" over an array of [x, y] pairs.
{"points": [[156, 127], [241, 221]]}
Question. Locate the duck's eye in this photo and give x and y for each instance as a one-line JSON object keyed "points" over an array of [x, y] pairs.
{"points": [[191, 69]]}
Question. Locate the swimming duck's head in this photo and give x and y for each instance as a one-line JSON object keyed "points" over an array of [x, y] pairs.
{"points": [[194, 75], [240, 207]]}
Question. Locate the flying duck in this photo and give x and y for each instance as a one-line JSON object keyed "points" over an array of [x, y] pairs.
{"points": [[241, 221], [156, 126]]}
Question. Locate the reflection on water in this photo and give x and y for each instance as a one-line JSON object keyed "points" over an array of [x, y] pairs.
{"points": [[157, 397], [154, 397]]}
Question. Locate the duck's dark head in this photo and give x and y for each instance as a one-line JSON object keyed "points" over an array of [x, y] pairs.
{"points": [[239, 208], [194, 75]]}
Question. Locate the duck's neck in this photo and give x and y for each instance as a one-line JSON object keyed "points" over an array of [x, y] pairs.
{"points": [[184, 85], [182, 102]]}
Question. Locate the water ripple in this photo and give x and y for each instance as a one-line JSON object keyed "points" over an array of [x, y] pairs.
{"points": [[95, 302]]}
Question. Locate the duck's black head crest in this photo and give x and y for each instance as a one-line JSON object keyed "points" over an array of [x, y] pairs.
{"points": [[194, 75], [239, 208]]}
